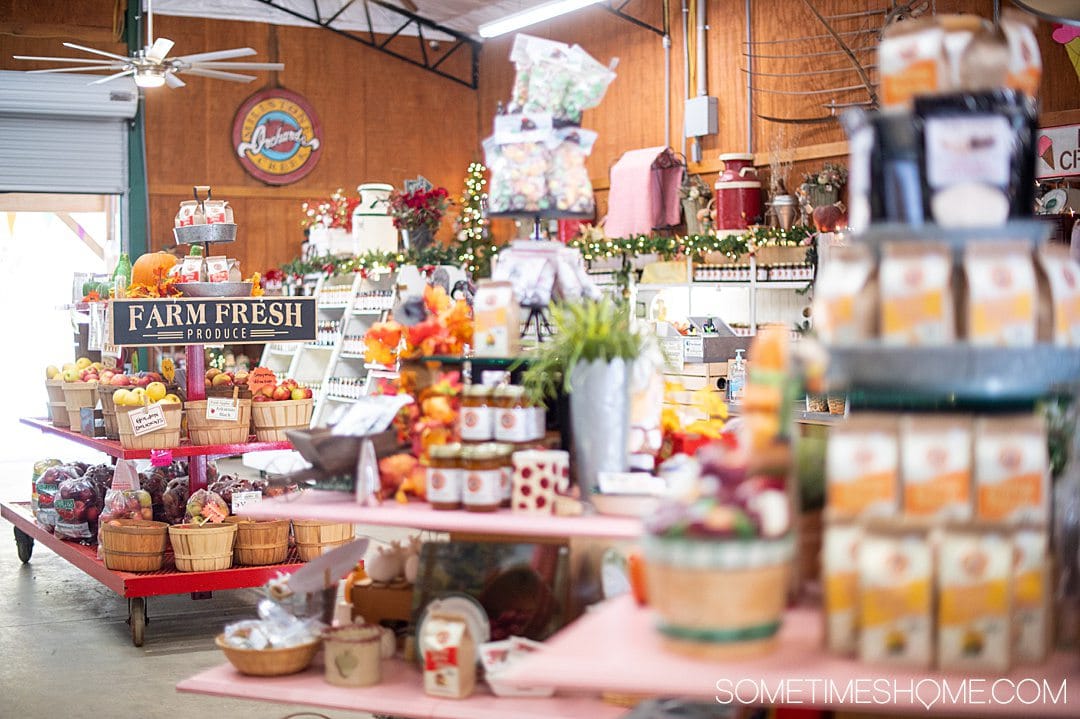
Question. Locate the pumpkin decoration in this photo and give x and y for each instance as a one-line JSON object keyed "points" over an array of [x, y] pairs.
{"points": [[151, 268]]}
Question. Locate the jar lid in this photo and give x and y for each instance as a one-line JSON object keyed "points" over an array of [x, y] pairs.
{"points": [[476, 390], [445, 451], [479, 452], [500, 448], [509, 390]]}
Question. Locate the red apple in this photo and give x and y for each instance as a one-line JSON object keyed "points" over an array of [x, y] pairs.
{"points": [[154, 376], [260, 398], [307, 392], [268, 391], [120, 380], [141, 381], [290, 383], [281, 393], [240, 377], [222, 380]]}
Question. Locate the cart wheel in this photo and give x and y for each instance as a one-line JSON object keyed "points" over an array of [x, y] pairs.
{"points": [[137, 619], [25, 544]]}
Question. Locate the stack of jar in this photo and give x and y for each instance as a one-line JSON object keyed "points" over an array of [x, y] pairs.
{"points": [[375, 300], [327, 333], [353, 344]]}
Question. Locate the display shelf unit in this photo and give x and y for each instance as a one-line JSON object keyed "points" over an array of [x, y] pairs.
{"points": [[135, 587], [620, 628], [399, 694], [342, 507], [278, 357]]}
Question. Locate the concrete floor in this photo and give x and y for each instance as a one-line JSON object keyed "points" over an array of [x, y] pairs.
{"points": [[65, 647]]}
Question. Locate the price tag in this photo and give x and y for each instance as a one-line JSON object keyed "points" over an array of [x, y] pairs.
{"points": [[243, 499], [673, 350], [146, 420], [261, 377], [107, 361], [224, 409], [694, 347], [96, 331], [110, 351]]}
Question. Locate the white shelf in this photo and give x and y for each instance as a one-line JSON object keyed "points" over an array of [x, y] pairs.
{"points": [[334, 308], [336, 398], [283, 353], [318, 347], [351, 357], [760, 284], [368, 313]]}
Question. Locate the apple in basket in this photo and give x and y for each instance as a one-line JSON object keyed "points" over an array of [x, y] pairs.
{"points": [[260, 398], [290, 383], [282, 393], [120, 380], [301, 393]]}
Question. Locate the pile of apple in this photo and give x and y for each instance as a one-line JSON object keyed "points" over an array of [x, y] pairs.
{"points": [[288, 389], [217, 378], [119, 379], [152, 393], [81, 370]]}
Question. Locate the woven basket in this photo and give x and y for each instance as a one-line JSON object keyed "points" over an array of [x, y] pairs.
{"points": [[58, 414], [108, 410], [164, 438], [55, 388], [133, 545], [212, 431], [274, 419], [202, 547], [260, 542], [314, 538], [76, 396], [269, 662], [227, 391]]}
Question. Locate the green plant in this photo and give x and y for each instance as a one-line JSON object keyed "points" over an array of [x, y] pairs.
{"points": [[584, 331]]}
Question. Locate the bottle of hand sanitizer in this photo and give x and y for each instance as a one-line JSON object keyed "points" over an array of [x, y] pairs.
{"points": [[737, 378]]}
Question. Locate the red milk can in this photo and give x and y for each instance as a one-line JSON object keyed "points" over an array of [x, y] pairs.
{"points": [[738, 193]]}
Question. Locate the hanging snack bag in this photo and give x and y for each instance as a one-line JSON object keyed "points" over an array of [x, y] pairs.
{"points": [[589, 84], [524, 53], [217, 269], [1025, 60], [518, 156], [1012, 470], [911, 61], [896, 611], [1000, 295], [204, 507], [840, 577], [935, 466], [862, 467], [1031, 596], [845, 296], [568, 181], [916, 296], [974, 574], [1059, 296]]}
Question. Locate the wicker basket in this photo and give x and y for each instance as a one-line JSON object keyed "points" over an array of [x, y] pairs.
{"points": [[274, 419], [58, 414], [108, 410], [76, 396], [314, 538], [202, 547], [133, 545], [164, 438], [227, 391], [55, 388], [212, 431], [260, 542], [269, 662]]}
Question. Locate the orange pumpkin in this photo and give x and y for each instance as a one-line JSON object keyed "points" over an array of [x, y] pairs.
{"points": [[151, 268]]}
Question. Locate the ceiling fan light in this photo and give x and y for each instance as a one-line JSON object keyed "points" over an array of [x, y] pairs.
{"points": [[150, 77], [533, 15]]}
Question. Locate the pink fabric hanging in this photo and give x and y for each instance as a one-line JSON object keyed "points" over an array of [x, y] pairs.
{"points": [[644, 192]]}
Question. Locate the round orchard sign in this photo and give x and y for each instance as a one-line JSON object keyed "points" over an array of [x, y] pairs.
{"points": [[277, 136]]}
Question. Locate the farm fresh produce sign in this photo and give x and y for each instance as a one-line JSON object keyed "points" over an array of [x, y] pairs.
{"points": [[232, 320]]}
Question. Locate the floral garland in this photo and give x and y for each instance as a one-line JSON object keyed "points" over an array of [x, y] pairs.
{"points": [[594, 246], [333, 265]]}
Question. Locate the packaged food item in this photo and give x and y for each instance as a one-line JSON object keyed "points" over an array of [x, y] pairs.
{"points": [[235, 275], [205, 506], [1031, 586], [524, 53], [445, 476], [935, 466], [48, 491], [39, 469], [840, 578], [958, 33], [916, 294], [476, 422], [496, 330], [78, 505], [568, 181], [862, 470], [186, 214], [1025, 60], [516, 419], [193, 268], [911, 61], [974, 574], [1012, 470], [449, 656], [215, 212], [845, 296], [482, 478], [174, 501], [1059, 296], [896, 611], [217, 269], [1000, 294]]}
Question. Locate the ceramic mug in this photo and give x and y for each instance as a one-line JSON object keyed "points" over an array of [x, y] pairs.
{"points": [[539, 474]]}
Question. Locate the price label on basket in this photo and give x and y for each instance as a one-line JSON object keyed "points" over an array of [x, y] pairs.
{"points": [[147, 419], [243, 499], [224, 409], [261, 377]]}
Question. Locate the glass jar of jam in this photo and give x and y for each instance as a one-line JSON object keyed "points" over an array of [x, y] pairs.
{"points": [[476, 422], [483, 473], [444, 476], [515, 417], [505, 454]]}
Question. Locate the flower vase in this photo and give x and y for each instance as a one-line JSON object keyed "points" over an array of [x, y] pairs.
{"points": [[822, 195], [600, 416], [417, 238]]}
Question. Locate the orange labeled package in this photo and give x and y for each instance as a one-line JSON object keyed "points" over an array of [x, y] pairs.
{"points": [[840, 577], [911, 61], [1000, 294], [1031, 596], [935, 466], [1059, 296], [496, 324], [862, 467], [1012, 470], [844, 296], [1025, 60], [916, 294], [974, 575], [896, 611]]}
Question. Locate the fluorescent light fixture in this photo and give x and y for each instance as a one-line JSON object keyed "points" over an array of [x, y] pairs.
{"points": [[532, 16], [150, 77]]}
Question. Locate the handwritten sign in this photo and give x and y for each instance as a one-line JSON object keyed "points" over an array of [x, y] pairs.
{"points": [[194, 320], [145, 420], [223, 409], [243, 499], [261, 377]]}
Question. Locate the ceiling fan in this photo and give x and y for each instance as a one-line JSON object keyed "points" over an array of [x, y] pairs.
{"points": [[151, 66]]}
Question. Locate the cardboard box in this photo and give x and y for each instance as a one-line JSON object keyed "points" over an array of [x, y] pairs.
{"points": [[377, 603], [497, 329]]}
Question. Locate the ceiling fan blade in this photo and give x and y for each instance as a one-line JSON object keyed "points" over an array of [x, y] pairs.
{"points": [[217, 55], [113, 77], [173, 81], [73, 46], [218, 75], [160, 49], [76, 60], [240, 65], [88, 68]]}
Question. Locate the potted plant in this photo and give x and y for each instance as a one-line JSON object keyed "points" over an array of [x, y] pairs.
{"points": [[417, 213], [823, 187], [328, 223], [589, 358]]}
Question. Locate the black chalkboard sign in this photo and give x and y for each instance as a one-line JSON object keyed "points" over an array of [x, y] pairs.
{"points": [[226, 320]]}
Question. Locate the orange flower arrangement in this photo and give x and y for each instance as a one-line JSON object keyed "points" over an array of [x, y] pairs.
{"points": [[446, 331]]}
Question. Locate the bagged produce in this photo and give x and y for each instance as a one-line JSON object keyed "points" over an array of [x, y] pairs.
{"points": [[78, 507], [205, 506], [101, 475], [228, 485], [39, 469], [48, 489], [125, 500], [174, 501]]}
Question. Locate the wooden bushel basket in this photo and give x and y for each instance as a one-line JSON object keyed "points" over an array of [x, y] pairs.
{"points": [[260, 542], [108, 410], [133, 545], [58, 414], [315, 538], [274, 419], [76, 396], [164, 438], [55, 388], [202, 547], [212, 431]]}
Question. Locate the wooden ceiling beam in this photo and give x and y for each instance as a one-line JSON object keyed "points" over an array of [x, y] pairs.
{"points": [[94, 34]]}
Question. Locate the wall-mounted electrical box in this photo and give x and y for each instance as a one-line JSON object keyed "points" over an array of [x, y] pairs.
{"points": [[702, 116]]}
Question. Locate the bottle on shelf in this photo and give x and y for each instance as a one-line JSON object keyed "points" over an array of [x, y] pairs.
{"points": [[736, 378]]}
